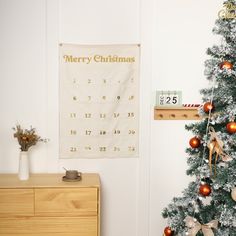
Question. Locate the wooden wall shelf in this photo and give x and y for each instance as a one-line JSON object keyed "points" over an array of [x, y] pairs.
{"points": [[176, 113]]}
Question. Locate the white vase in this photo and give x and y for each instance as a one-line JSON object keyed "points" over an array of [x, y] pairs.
{"points": [[23, 172]]}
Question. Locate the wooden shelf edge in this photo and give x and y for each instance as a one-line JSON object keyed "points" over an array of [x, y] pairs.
{"points": [[176, 113]]}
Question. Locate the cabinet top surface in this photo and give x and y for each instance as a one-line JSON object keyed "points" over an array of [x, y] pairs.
{"points": [[48, 180]]}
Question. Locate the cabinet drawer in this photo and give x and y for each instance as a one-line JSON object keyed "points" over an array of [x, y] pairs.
{"points": [[16, 202], [49, 226], [66, 202]]}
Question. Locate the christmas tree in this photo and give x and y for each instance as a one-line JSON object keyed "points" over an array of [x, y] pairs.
{"points": [[208, 205]]}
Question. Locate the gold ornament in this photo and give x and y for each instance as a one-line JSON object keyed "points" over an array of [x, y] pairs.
{"points": [[226, 65], [168, 231], [231, 127], [215, 145], [233, 194], [195, 142], [205, 190], [194, 226], [208, 106]]}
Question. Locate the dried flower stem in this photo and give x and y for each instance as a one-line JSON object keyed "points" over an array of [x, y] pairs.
{"points": [[27, 138]]}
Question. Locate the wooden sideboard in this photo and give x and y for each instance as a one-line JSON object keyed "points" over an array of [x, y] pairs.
{"points": [[46, 205]]}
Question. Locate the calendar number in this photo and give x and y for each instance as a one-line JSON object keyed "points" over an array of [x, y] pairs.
{"points": [[169, 98], [73, 149]]}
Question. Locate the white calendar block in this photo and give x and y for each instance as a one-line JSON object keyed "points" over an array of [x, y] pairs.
{"points": [[169, 98]]}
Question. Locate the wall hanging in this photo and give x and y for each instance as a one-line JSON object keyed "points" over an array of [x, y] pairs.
{"points": [[99, 101]]}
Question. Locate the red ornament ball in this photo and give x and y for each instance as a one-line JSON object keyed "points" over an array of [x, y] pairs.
{"points": [[195, 142], [231, 127], [208, 106], [205, 190], [226, 65], [168, 231]]}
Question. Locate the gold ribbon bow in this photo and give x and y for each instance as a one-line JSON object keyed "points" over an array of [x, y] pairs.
{"points": [[215, 145], [194, 226]]}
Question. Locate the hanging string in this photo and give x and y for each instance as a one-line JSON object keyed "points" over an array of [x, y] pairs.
{"points": [[207, 131], [209, 118]]}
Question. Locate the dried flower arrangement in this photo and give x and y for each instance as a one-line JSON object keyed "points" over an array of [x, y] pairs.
{"points": [[27, 138]]}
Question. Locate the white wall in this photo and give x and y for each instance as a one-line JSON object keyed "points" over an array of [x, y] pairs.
{"points": [[22, 77], [182, 32], [30, 33], [173, 37]]}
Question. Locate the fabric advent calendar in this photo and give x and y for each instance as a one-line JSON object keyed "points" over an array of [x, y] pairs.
{"points": [[99, 101]]}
